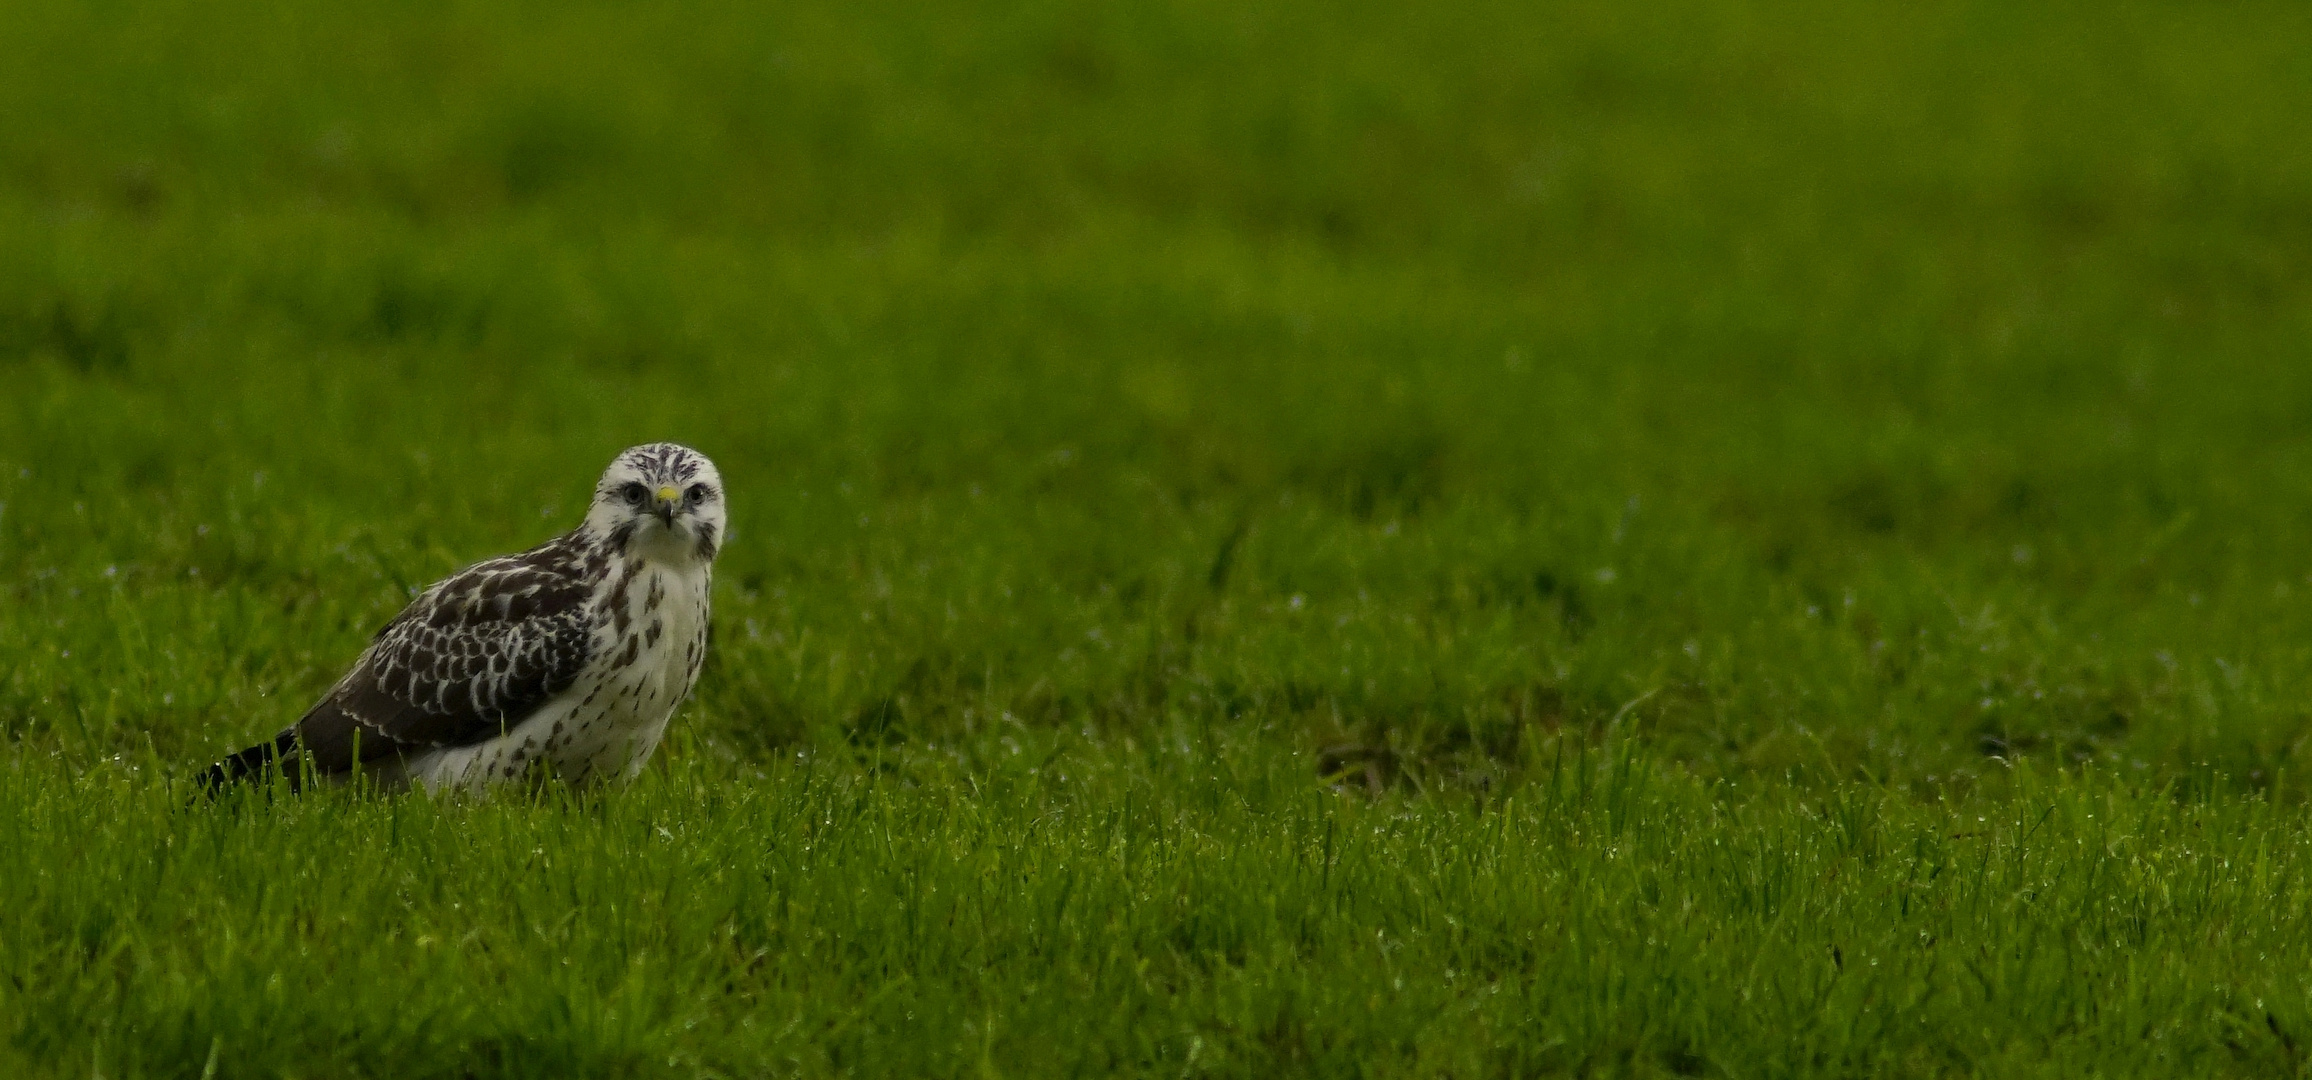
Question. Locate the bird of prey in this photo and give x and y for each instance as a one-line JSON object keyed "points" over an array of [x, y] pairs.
{"points": [[569, 657]]}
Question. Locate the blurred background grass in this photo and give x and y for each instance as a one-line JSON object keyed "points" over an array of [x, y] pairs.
{"points": [[1810, 389]]}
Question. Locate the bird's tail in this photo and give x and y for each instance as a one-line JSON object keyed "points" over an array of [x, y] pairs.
{"points": [[257, 764]]}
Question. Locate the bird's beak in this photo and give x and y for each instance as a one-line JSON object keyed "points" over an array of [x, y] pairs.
{"points": [[669, 501]]}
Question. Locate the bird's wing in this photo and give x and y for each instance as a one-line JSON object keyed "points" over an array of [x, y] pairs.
{"points": [[468, 659]]}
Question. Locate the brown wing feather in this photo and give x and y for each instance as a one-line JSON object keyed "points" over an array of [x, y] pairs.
{"points": [[468, 659]]}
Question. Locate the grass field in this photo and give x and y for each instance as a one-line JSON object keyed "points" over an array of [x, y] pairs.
{"points": [[1729, 539]]}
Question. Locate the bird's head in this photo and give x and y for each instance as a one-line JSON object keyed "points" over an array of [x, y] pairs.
{"points": [[663, 501]]}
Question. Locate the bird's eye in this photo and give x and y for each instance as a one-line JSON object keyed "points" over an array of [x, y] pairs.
{"points": [[697, 494], [634, 494]]}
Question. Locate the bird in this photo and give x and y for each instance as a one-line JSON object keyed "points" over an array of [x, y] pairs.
{"points": [[567, 659]]}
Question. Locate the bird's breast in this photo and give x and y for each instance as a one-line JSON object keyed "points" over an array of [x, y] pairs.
{"points": [[651, 623]]}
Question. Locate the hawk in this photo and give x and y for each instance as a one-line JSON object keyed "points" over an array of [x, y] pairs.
{"points": [[570, 656]]}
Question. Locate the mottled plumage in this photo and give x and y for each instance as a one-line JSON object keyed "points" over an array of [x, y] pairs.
{"points": [[569, 657]]}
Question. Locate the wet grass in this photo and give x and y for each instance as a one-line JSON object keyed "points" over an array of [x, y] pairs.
{"points": [[1184, 906]]}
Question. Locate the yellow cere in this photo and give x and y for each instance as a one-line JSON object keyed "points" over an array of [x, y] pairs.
{"points": [[669, 494]]}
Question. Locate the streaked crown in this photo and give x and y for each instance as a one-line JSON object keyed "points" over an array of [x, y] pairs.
{"points": [[662, 499]]}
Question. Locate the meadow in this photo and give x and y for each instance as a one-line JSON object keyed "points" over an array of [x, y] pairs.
{"points": [[1722, 539]]}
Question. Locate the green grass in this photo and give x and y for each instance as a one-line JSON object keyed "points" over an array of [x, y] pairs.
{"points": [[1739, 539], [1185, 907]]}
